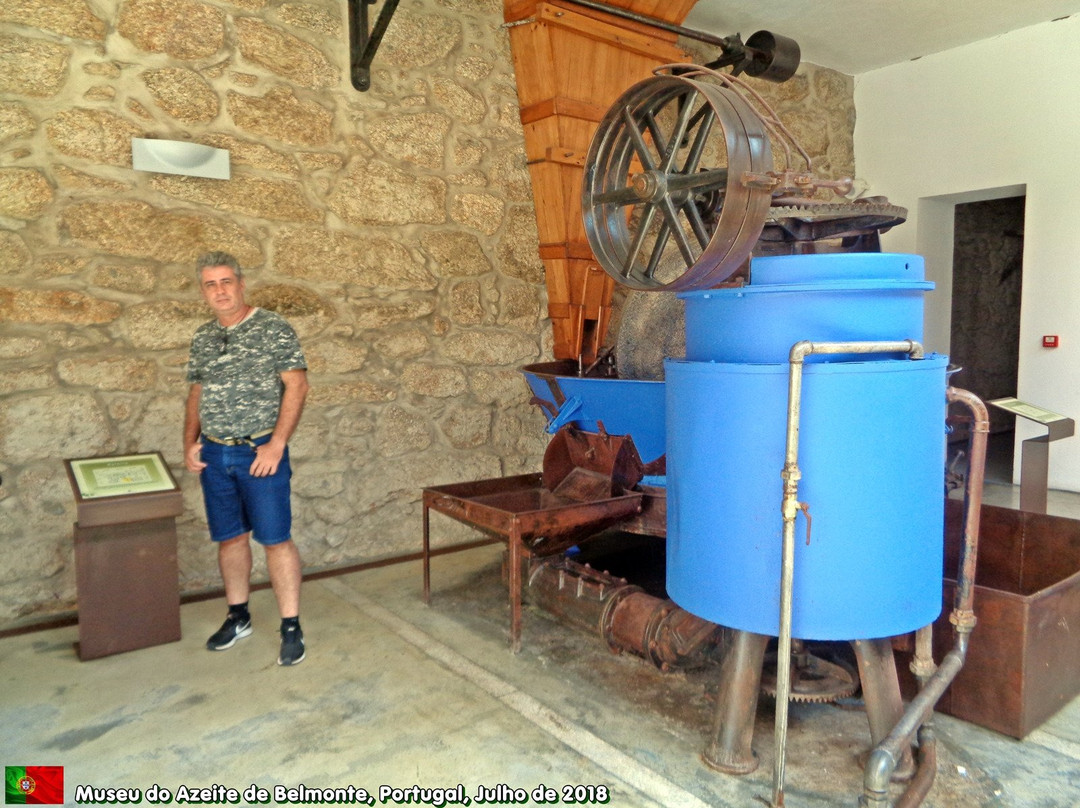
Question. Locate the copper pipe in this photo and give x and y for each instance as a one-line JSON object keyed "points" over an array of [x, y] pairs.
{"points": [[886, 755], [977, 437], [923, 780], [922, 665]]}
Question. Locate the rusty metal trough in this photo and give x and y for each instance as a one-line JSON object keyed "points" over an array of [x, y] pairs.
{"points": [[1025, 662]]}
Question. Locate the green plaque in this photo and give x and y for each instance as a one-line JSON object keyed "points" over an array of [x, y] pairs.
{"points": [[103, 477]]}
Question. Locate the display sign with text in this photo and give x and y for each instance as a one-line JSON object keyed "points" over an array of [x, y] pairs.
{"points": [[103, 477]]}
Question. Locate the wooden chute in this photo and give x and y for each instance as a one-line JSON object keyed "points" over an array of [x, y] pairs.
{"points": [[571, 64]]}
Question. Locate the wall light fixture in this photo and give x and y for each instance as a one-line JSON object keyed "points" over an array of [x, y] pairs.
{"points": [[179, 157]]}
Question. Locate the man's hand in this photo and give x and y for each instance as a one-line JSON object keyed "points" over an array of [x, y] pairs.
{"points": [[267, 457], [193, 458]]}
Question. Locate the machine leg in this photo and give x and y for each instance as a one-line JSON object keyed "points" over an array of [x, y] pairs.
{"points": [[881, 694], [427, 559], [515, 588], [729, 748]]}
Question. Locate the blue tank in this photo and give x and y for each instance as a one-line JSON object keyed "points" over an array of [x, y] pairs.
{"points": [[841, 297], [872, 449]]}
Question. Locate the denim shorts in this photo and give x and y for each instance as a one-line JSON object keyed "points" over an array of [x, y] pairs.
{"points": [[236, 502]]}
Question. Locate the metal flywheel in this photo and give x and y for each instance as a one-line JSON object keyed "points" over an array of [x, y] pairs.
{"points": [[675, 190]]}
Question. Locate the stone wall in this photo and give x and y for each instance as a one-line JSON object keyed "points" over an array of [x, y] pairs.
{"points": [[395, 229]]}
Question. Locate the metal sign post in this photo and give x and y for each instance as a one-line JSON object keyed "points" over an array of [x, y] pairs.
{"points": [[1035, 452]]}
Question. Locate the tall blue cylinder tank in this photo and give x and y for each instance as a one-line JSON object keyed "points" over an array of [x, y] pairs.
{"points": [[838, 297], [872, 446], [871, 452]]}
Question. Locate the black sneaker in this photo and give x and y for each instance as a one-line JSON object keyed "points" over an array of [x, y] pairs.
{"points": [[292, 646], [231, 630]]}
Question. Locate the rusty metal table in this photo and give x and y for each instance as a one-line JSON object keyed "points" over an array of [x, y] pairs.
{"points": [[528, 517]]}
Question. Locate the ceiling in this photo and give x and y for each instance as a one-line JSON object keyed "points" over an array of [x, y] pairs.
{"points": [[855, 36]]}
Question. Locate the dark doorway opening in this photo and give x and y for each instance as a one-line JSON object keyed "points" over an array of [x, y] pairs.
{"points": [[988, 250]]}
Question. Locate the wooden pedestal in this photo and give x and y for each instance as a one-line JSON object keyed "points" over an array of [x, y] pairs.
{"points": [[126, 570], [128, 586]]}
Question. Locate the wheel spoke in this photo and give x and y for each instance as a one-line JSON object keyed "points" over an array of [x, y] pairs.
{"points": [[654, 130], [657, 251], [697, 224], [671, 151], [639, 239], [702, 137], [672, 217], [640, 146]]}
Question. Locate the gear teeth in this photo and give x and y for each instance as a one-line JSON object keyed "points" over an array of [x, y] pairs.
{"points": [[832, 682], [837, 210]]}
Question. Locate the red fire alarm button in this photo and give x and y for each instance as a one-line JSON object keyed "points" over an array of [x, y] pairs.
{"points": [[1050, 341]]}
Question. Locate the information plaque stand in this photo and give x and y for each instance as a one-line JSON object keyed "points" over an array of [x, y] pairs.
{"points": [[125, 553], [1035, 452]]}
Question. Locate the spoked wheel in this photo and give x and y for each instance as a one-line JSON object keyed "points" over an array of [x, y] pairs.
{"points": [[674, 195]]}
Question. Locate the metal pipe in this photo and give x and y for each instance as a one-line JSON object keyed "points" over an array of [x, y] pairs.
{"points": [[977, 438], [922, 665], [886, 755], [663, 25], [628, 618], [923, 780], [790, 507]]}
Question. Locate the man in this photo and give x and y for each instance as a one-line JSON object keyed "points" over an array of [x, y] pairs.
{"points": [[248, 384]]}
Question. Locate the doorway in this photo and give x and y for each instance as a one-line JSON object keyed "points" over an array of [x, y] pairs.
{"points": [[988, 249]]}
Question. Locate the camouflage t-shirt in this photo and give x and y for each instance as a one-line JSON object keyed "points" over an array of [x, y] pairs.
{"points": [[240, 369]]}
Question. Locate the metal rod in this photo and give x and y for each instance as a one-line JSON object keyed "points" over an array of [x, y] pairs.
{"points": [[790, 507], [701, 36]]}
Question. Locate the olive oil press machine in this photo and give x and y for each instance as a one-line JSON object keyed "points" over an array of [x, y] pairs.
{"points": [[769, 410]]}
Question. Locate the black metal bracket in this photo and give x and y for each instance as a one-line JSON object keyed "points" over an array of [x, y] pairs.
{"points": [[362, 45]]}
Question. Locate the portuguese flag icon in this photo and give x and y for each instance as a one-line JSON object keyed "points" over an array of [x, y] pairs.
{"points": [[34, 785]]}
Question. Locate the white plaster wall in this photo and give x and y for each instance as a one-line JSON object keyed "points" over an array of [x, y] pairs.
{"points": [[997, 118]]}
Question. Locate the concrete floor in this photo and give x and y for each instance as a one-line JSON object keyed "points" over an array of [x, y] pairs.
{"points": [[399, 694]]}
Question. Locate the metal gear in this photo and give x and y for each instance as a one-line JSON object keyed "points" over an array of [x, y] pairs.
{"points": [[813, 679], [815, 221]]}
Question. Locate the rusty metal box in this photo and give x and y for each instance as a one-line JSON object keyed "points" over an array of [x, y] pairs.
{"points": [[1023, 663]]}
